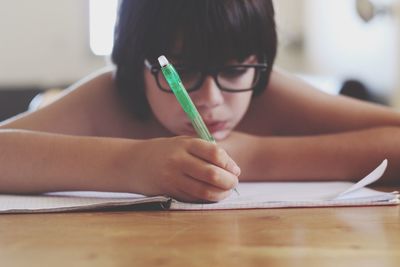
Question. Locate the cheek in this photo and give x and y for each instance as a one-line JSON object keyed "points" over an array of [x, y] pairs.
{"points": [[239, 103], [163, 105]]}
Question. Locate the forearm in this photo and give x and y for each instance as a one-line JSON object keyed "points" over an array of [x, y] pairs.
{"points": [[343, 156], [32, 162]]}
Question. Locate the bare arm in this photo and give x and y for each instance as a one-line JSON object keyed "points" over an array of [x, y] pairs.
{"points": [[56, 149], [310, 135], [291, 107], [80, 110], [50, 149], [340, 156], [35, 162], [185, 168]]}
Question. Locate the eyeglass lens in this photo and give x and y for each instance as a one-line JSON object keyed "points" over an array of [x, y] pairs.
{"points": [[231, 78]]}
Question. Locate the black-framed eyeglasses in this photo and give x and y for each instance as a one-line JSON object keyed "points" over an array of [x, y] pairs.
{"points": [[230, 78]]}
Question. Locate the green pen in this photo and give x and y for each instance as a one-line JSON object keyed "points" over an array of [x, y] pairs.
{"points": [[176, 85], [174, 81]]}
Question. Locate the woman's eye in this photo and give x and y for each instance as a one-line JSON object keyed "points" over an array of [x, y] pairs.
{"points": [[189, 77], [233, 72]]}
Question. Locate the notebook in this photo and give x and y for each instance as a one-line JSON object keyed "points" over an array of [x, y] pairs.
{"points": [[252, 196]]}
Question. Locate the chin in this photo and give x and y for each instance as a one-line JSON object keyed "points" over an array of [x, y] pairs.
{"points": [[218, 136]]}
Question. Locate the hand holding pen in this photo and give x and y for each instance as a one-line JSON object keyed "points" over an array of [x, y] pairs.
{"points": [[186, 102], [185, 168]]}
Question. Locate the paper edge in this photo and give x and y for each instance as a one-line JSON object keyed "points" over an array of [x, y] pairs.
{"points": [[378, 172]]}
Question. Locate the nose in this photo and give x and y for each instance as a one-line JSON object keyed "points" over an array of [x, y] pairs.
{"points": [[209, 95]]}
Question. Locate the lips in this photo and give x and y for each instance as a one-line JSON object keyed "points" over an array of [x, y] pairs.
{"points": [[212, 126], [216, 126]]}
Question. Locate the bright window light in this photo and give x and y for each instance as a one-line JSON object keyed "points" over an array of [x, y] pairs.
{"points": [[102, 16]]}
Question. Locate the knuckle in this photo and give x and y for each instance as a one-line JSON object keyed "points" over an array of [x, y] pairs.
{"points": [[184, 144], [202, 193], [174, 160], [227, 164], [217, 154], [212, 175], [190, 144], [180, 138], [188, 141]]}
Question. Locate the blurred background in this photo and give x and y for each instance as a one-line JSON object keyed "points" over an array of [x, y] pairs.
{"points": [[340, 46]]}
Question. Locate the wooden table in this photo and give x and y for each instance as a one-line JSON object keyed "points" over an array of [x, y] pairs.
{"points": [[357, 236]]}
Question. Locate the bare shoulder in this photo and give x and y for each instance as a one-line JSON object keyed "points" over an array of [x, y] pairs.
{"points": [[290, 106], [89, 107]]}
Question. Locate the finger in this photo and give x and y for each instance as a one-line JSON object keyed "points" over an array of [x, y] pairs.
{"points": [[212, 153], [182, 195], [199, 191], [211, 174]]}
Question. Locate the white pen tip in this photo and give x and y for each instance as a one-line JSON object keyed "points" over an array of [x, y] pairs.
{"points": [[163, 61]]}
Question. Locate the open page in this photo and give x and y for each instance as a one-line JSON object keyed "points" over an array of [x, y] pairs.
{"points": [[301, 194], [275, 195]]}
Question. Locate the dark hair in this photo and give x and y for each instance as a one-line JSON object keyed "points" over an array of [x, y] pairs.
{"points": [[210, 32]]}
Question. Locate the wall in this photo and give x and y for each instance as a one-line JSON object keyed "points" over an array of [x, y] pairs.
{"points": [[340, 44], [44, 42], [290, 27]]}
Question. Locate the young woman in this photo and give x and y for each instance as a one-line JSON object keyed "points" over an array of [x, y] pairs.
{"points": [[125, 131]]}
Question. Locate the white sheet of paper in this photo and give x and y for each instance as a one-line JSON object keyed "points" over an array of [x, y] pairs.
{"points": [[369, 179], [290, 194], [264, 195]]}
